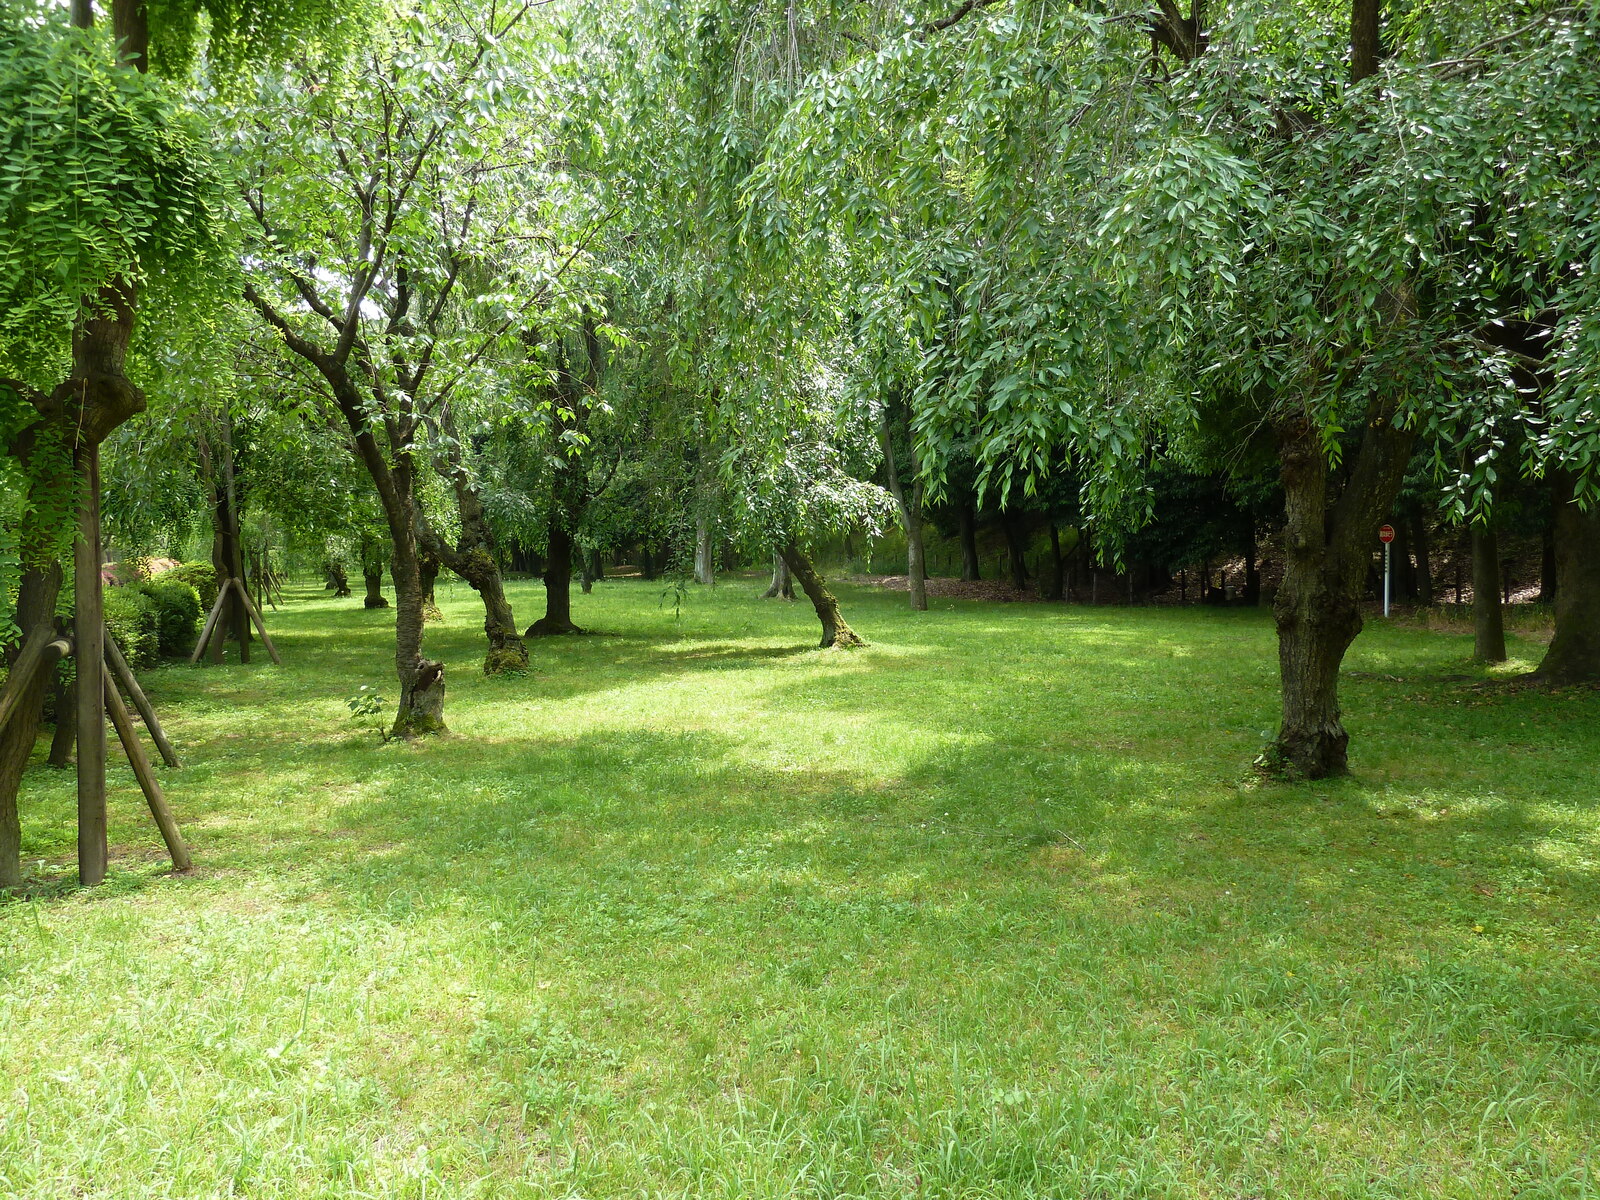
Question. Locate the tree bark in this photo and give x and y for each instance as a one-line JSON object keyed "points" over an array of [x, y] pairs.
{"points": [[1488, 620], [782, 585], [1574, 653], [968, 523], [36, 602], [835, 630], [704, 568], [1327, 551], [557, 619]]}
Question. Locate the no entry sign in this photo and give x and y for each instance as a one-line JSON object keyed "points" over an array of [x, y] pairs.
{"points": [[1386, 534]]}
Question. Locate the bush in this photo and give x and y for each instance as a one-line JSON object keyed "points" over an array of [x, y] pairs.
{"points": [[131, 619], [177, 608], [201, 576]]}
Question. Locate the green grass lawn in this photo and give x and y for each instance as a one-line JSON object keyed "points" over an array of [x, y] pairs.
{"points": [[990, 909]]}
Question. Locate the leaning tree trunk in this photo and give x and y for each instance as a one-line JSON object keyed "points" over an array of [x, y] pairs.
{"points": [[1327, 550], [1574, 653], [475, 557], [835, 630], [557, 619], [782, 585], [1488, 618]]}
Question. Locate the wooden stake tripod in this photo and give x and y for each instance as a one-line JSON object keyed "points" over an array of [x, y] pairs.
{"points": [[44, 648], [214, 621]]}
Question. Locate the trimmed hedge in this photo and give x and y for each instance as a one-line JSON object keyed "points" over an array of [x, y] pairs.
{"points": [[177, 609], [132, 620], [201, 576]]}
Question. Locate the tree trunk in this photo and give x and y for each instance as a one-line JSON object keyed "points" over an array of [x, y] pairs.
{"points": [[428, 569], [1420, 545], [66, 734], [911, 514], [704, 567], [421, 708], [916, 550], [782, 586], [1574, 653], [1403, 578], [557, 619], [1015, 551], [1327, 550], [1055, 582], [1488, 621], [338, 581], [374, 579], [835, 631], [968, 522]]}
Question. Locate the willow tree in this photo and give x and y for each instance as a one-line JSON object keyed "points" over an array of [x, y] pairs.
{"points": [[1113, 228]]}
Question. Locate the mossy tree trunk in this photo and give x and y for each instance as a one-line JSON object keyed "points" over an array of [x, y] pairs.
{"points": [[835, 630]]}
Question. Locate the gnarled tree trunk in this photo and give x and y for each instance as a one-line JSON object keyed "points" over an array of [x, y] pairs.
{"points": [[835, 630], [1574, 653], [374, 580]]}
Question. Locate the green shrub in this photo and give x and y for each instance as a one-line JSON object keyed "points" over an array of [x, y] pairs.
{"points": [[131, 619], [177, 607], [201, 576]]}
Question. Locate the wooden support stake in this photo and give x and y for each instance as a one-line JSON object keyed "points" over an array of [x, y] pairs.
{"points": [[120, 668], [261, 627], [146, 777], [90, 628], [211, 622]]}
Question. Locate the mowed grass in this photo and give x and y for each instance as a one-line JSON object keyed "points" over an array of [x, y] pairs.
{"points": [[992, 908]]}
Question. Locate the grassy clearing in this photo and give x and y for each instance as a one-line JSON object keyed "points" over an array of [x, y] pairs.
{"points": [[988, 909]]}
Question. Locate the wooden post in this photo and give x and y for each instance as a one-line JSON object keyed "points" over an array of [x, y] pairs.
{"points": [[120, 668], [89, 627], [211, 621], [261, 627], [146, 777]]}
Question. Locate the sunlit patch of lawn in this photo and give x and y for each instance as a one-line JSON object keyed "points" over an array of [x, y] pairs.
{"points": [[993, 907]]}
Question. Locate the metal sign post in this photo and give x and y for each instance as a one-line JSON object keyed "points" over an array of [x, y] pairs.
{"points": [[1386, 535]]}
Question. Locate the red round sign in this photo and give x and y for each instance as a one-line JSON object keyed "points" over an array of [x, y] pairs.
{"points": [[1386, 533]]}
